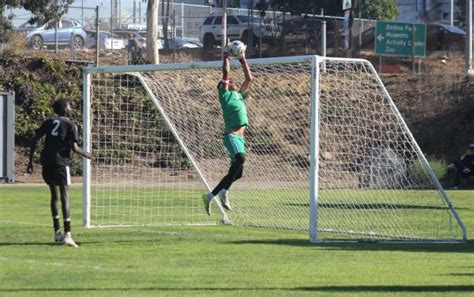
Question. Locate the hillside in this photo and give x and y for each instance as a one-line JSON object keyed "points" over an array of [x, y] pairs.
{"points": [[437, 105]]}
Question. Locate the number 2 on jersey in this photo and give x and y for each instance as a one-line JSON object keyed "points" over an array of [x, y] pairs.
{"points": [[55, 131]]}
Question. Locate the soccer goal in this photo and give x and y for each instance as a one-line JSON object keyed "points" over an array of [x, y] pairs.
{"points": [[328, 152]]}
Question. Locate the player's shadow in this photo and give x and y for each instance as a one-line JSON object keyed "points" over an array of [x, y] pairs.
{"points": [[467, 247], [388, 289], [328, 289]]}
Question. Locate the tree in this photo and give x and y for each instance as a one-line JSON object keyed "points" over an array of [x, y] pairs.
{"points": [[461, 15], [380, 9], [165, 16], [152, 31], [5, 23], [42, 10], [45, 10]]}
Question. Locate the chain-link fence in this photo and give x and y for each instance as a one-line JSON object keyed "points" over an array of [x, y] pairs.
{"points": [[274, 34]]}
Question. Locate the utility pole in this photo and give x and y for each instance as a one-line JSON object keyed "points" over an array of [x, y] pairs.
{"points": [[119, 12], [451, 17], [134, 12], [114, 13], [224, 25], [111, 15], [111, 24], [416, 10], [140, 11], [97, 33]]}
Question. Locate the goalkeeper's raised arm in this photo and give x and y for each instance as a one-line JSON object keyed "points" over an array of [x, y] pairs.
{"points": [[245, 88], [224, 83]]}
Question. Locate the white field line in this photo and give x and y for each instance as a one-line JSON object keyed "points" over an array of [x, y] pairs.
{"points": [[172, 233], [24, 223], [59, 264]]}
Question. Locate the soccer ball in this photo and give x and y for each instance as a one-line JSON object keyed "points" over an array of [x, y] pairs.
{"points": [[237, 49]]}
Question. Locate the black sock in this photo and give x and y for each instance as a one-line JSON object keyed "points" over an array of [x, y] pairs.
{"points": [[56, 225], [67, 225]]}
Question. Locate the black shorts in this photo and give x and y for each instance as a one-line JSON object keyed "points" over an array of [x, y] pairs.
{"points": [[57, 175]]}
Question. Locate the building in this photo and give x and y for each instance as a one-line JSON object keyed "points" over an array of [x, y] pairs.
{"points": [[427, 10]]}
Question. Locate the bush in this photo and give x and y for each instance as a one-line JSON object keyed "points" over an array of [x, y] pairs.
{"points": [[439, 167]]}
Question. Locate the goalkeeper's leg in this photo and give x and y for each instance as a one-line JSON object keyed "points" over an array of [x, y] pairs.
{"points": [[235, 172], [224, 193]]}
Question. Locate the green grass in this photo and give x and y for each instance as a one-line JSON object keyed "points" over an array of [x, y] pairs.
{"points": [[215, 260]]}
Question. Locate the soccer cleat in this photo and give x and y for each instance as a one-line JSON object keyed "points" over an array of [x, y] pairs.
{"points": [[207, 203], [58, 236], [224, 197], [69, 241]]}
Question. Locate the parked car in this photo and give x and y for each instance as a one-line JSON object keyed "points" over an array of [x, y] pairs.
{"points": [[68, 30], [181, 43], [114, 42], [26, 27], [105, 41], [308, 31], [134, 39], [438, 37], [238, 27], [301, 32], [445, 37]]}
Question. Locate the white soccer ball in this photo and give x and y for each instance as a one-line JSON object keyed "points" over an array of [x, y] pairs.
{"points": [[237, 49]]}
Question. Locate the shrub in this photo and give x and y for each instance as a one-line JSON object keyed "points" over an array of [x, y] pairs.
{"points": [[439, 167]]}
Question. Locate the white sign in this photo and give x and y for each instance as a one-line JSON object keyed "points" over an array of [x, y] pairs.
{"points": [[346, 4]]}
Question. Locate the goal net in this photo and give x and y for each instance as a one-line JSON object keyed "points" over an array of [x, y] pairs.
{"points": [[327, 152]]}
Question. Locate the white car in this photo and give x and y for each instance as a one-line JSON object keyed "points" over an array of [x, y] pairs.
{"points": [[136, 39], [181, 43], [238, 27], [114, 42], [105, 41]]}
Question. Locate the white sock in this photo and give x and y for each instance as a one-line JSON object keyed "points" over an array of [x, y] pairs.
{"points": [[224, 192], [210, 196]]}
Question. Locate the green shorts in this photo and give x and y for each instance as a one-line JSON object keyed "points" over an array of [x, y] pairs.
{"points": [[234, 144]]}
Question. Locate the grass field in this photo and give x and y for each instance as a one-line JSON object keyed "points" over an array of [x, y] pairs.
{"points": [[215, 260]]}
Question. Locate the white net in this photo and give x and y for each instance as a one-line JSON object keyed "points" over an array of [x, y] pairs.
{"points": [[372, 180]]}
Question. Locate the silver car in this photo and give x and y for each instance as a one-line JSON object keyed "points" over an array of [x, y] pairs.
{"points": [[68, 31]]}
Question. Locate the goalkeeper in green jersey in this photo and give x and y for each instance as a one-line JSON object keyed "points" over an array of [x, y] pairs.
{"points": [[235, 119]]}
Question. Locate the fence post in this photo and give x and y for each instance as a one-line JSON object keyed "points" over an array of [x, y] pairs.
{"points": [[323, 37], [183, 35], [97, 36], [71, 47]]}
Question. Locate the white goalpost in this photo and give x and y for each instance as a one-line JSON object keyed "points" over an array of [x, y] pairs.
{"points": [[327, 152]]}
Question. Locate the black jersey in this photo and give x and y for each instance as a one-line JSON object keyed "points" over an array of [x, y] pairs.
{"points": [[61, 133]]}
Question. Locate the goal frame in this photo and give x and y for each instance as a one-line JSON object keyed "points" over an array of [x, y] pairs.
{"points": [[315, 61]]}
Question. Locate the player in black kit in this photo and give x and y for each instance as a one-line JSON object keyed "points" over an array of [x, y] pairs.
{"points": [[61, 138]]}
